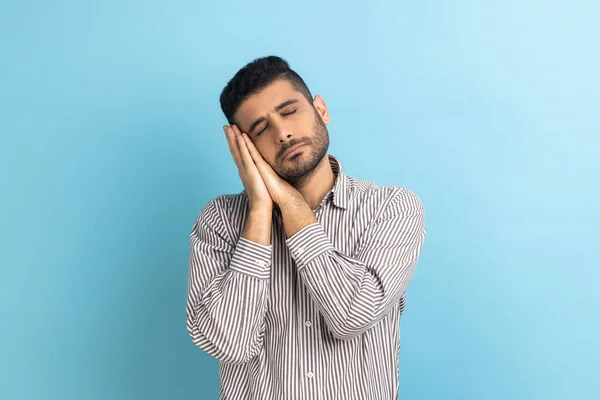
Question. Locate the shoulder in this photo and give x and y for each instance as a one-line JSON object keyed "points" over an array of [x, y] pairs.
{"points": [[223, 215], [387, 197], [228, 201], [227, 206]]}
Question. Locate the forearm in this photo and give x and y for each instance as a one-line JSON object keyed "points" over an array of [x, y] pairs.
{"points": [[353, 292], [227, 321], [228, 287], [258, 225], [351, 296], [296, 214]]}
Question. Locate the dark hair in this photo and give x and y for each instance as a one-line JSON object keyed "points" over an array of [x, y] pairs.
{"points": [[256, 76]]}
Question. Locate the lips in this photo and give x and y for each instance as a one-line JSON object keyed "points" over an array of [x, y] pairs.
{"points": [[293, 149]]}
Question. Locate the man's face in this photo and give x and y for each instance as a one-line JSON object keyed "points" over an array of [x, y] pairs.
{"points": [[278, 118]]}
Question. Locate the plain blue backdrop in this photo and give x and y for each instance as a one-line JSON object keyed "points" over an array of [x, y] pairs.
{"points": [[111, 144]]}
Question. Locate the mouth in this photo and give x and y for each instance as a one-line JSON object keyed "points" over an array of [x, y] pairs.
{"points": [[293, 150]]}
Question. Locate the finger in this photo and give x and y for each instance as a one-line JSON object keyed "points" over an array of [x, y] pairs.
{"points": [[256, 156], [233, 145], [245, 154], [236, 129], [259, 161], [244, 150]]}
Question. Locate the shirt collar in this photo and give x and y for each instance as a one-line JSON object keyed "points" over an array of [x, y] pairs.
{"points": [[340, 187], [339, 191]]}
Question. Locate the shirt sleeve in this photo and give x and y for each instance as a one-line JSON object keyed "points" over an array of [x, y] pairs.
{"points": [[353, 293], [227, 289]]}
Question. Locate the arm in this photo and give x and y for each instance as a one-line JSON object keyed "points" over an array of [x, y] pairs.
{"points": [[228, 285], [355, 292], [352, 293]]}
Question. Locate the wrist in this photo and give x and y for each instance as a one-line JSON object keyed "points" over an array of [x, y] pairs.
{"points": [[261, 209]]}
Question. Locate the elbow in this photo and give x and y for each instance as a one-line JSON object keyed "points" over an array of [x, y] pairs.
{"points": [[353, 326], [346, 332], [234, 353]]}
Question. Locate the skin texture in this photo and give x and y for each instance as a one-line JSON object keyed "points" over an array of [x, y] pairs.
{"points": [[297, 183]]}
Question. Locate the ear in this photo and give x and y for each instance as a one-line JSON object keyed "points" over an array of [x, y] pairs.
{"points": [[321, 108]]}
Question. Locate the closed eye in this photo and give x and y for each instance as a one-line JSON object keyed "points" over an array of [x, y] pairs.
{"points": [[284, 114]]}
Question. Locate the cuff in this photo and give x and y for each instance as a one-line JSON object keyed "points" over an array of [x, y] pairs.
{"points": [[252, 259], [308, 243]]}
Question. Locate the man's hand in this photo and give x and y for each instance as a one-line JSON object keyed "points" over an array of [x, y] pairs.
{"points": [[279, 190], [295, 211], [258, 195]]}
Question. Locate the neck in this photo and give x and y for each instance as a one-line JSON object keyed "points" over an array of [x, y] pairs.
{"points": [[315, 185]]}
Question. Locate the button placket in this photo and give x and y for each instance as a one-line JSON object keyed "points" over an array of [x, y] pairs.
{"points": [[309, 361]]}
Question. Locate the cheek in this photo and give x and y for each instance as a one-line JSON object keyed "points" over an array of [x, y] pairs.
{"points": [[267, 152]]}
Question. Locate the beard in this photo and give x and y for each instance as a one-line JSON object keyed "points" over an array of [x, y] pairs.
{"points": [[304, 165]]}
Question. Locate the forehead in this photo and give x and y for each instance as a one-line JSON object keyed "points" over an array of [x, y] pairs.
{"points": [[264, 101]]}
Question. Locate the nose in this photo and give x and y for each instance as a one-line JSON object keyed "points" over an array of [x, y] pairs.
{"points": [[283, 132]]}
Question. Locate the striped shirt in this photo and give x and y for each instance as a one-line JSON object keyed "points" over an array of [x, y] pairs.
{"points": [[312, 316]]}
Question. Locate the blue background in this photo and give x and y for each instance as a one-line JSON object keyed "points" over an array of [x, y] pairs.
{"points": [[111, 144]]}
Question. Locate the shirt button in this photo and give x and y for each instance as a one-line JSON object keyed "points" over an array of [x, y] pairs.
{"points": [[310, 375], [261, 263], [308, 324], [300, 250]]}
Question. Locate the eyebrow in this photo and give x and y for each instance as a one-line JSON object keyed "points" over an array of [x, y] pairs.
{"points": [[276, 109]]}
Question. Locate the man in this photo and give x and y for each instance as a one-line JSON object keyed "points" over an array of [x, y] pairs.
{"points": [[297, 283]]}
